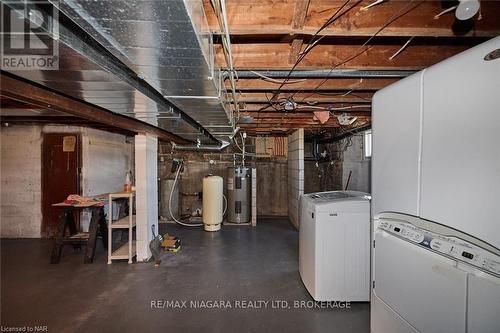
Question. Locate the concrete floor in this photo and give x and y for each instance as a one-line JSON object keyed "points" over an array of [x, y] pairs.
{"points": [[236, 264]]}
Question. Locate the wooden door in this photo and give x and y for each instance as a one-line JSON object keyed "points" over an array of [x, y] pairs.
{"points": [[60, 175]]}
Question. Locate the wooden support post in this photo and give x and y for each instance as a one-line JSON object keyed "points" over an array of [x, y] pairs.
{"points": [[146, 184]]}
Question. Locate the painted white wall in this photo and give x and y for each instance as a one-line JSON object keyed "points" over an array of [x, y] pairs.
{"points": [[20, 185], [146, 187], [106, 157], [295, 174]]}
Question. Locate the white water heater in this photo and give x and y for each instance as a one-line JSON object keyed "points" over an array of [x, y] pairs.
{"points": [[212, 202]]}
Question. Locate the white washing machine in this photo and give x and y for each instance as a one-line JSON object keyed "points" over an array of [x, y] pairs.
{"points": [[432, 278], [334, 245]]}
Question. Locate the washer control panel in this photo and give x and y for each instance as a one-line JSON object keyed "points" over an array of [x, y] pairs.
{"points": [[449, 246]]}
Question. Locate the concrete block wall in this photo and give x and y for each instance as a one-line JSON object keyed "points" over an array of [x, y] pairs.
{"points": [[295, 174], [332, 174], [354, 160], [106, 159], [20, 187]]}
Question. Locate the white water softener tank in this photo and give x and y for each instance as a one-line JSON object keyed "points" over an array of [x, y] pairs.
{"points": [[212, 202]]}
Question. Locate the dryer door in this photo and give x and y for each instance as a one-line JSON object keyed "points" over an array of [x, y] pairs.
{"points": [[484, 304], [423, 287]]}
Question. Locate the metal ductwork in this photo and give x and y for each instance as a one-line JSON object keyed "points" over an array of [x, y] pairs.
{"points": [[169, 45], [150, 60]]}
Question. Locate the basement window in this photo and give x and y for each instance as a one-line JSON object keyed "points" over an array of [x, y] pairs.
{"points": [[367, 144]]}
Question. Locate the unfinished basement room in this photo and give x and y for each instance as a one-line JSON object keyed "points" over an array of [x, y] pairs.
{"points": [[250, 166]]}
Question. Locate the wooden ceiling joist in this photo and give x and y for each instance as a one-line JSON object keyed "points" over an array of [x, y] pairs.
{"points": [[266, 17], [346, 97], [267, 107], [299, 18], [338, 84], [374, 57], [302, 114]]}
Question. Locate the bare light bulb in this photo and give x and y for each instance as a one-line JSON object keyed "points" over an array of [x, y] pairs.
{"points": [[467, 9]]}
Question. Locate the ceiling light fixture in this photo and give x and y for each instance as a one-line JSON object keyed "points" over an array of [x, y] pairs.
{"points": [[466, 9], [289, 105]]}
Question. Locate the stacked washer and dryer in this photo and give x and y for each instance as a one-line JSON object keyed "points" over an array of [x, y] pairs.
{"points": [[435, 207]]}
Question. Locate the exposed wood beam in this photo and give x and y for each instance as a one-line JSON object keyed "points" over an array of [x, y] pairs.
{"points": [[260, 97], [297, 122], [40, 96], [311, 84], [271, 114], [256, 107], [7, 103], [299, 18], [300, 13], [295, 49], [62, 120], [376, 57], [266, 17]]}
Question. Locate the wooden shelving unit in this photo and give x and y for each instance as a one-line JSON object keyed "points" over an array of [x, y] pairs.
{"points": [[127, 250]]}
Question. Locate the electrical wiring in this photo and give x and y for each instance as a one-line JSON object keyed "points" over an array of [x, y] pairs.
{"points": [[170, 202], [237, 145], [350, 107], [343, 94], [378, 2], [302, 55], [332, 19], [302, 107], [265, 107], [271, 104], [311, 45], [401, 49], [365, 47], [447, 10], [267, 78]]}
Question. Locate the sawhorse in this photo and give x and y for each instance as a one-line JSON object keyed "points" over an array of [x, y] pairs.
{"points": [[66, 220]]}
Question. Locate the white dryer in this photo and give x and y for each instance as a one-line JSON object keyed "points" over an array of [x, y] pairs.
{"points": [[431, 278], [334, 245]]}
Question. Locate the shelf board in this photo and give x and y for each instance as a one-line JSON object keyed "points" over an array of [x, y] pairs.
{"points": [[122, 251], [121, 194], [123, 223]]}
